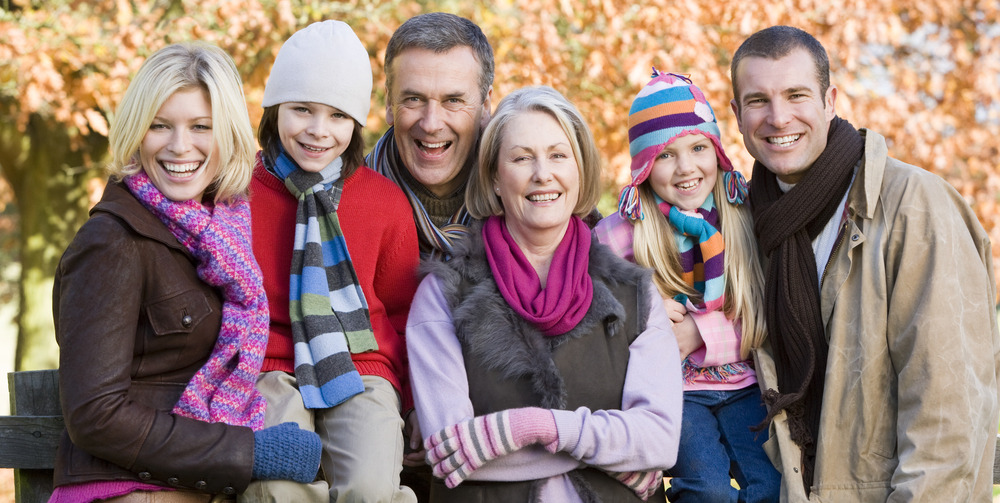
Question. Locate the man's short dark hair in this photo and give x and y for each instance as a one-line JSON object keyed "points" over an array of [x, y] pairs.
{"points": [[777, 42], [440, 32]]}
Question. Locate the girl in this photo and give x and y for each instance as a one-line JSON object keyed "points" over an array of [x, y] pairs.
{"points": [[331, 233], [682, 219]]}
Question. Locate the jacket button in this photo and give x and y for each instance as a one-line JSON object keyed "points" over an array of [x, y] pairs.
{"points": [[853, 238], [173, 481], [145, 476], [201, 485], [228, 491], [187, 320]]}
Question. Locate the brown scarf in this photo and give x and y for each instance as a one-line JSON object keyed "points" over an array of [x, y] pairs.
{"points": [[785, 225]]}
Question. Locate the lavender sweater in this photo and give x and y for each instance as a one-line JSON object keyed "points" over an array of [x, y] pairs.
{"points": [[642, 436]]}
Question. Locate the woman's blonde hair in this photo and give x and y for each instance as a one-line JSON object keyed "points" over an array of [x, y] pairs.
{"points": [[654, 246], [178, 67], [480, 199]]}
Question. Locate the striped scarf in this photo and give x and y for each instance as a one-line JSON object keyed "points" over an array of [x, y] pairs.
{"points": [[219, 239], [703, 267], [328, 310], [434, 242]]}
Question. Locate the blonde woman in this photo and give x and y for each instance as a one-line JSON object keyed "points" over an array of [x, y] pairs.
{"points": [[159, 307], [536, 353]]}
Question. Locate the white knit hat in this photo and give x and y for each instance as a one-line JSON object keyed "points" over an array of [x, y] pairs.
{"points": [[323, 63]]}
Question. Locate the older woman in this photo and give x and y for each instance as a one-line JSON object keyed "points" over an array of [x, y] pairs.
{"points": [[160, 311], [541, 367]]}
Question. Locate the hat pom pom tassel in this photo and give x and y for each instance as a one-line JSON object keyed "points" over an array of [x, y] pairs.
{"points": [[628, 203], [736, 187]]}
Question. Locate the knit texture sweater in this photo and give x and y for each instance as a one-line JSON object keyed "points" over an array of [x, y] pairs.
{"points": [[377, 222], [439, 209]]}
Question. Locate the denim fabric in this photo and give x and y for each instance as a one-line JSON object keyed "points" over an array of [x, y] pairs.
{"points": [[716, 444]]}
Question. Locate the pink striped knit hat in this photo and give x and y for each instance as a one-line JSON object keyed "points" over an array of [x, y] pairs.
{"points": [[668, 107]]}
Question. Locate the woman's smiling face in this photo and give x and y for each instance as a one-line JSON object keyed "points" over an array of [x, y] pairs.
{"points": [[178, 151], [538, 179]]}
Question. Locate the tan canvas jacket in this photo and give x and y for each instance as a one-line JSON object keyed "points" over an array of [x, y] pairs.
{"points": [[910, 406]]}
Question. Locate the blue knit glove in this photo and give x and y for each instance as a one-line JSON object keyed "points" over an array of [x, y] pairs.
{"points": [[285, 452]]}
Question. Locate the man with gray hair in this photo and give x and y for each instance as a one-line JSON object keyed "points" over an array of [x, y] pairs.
{"points": [[439, 81]]}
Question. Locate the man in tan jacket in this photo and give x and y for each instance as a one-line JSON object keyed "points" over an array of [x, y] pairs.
{"points": [[880, 371]]}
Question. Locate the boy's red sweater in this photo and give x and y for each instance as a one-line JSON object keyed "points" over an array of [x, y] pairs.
{"points": [[377, 222]]}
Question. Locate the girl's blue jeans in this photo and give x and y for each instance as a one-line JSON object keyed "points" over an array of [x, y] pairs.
{"points": [[716, 444]]}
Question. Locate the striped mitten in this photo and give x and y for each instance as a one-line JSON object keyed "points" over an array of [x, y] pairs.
{"points": [[643, 484], [460, 449]]}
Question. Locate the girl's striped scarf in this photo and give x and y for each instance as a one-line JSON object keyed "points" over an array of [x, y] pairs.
{"points": [[702, 252], [219, 239], [703, 267], [384, 159], [328, 310]]}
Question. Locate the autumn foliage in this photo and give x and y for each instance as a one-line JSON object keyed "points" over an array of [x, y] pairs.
{"points": [[924, 73]]}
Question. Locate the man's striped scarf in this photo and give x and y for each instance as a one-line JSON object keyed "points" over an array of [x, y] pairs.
{"points": [[219, 239], [328, 310], [384, 159], [703, 266]]}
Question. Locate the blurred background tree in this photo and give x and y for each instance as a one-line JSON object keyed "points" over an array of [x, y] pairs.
{"points": [[924, 73]]}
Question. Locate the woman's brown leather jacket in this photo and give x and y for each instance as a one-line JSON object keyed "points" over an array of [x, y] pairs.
{"points": [[134, 323]]}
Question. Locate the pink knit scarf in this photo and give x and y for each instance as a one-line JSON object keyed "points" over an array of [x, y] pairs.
{"points": [[219, 239], [557, 308]]}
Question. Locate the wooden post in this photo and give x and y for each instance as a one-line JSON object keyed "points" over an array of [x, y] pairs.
{"points": [[31, 435]]}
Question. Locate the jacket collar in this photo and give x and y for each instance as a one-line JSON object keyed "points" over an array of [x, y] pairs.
{"points": [[120, 202], [868, 185]]}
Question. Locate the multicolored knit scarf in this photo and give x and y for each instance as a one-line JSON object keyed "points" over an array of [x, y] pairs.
{"points": [[384, 159], [219, 239], [702, 252], [328, 310], [703, 266]]}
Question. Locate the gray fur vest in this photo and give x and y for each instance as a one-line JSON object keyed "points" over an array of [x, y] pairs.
{"points": [[512, 364]]}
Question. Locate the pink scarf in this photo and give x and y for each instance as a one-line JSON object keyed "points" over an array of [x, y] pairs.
{"points": [[219, 238], [559, 307]]}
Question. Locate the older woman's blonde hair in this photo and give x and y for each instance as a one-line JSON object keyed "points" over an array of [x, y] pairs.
{"points": [[179, 67], [480, 199]]}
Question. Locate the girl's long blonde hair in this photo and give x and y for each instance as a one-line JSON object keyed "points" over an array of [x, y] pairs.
{"points": [[654, 246]]}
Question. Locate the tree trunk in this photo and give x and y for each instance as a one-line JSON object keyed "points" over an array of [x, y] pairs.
{"points": [[49, 179]]}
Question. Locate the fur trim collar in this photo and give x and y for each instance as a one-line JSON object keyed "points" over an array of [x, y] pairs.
{"points": [[496, 334]]}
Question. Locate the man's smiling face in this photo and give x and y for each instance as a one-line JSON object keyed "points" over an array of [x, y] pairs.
{"points": [[782, 113], [437, 114]]}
